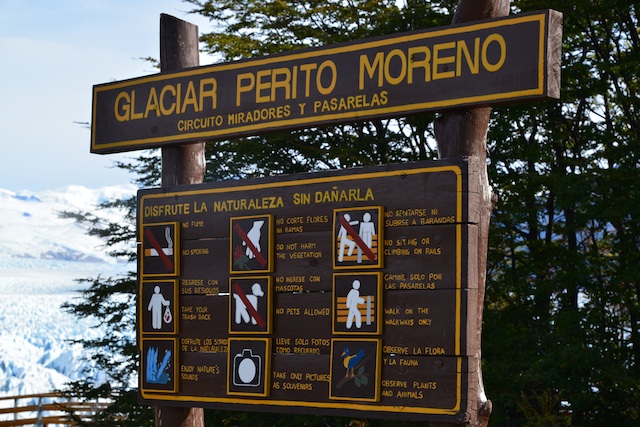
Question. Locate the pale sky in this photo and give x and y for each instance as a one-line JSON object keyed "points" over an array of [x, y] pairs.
{"points": [[52, 52]]}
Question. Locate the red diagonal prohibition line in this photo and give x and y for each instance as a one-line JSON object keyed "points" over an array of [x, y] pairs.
{"points": [[163, 257], [247, 303], [361, 244], [250, 244]]}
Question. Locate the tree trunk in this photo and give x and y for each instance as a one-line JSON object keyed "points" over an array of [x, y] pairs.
{"points": [[181, 164], [463, 133], [185, 163]]}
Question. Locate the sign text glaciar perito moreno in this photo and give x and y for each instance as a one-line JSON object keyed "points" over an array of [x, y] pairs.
{"points": [[489, 62]]}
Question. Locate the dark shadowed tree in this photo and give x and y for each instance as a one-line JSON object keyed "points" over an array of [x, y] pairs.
{"points": [[561, 326]]}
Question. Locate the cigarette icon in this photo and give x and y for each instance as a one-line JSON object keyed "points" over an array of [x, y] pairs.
{"points": [[167, 251]]}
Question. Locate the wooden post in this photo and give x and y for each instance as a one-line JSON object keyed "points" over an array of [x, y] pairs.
{"points": [[463, 133], [181, 165]]}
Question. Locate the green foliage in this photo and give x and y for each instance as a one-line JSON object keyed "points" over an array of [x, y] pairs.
{"points": [[563, 290], [248, 28], [109, 302], [147, 170]]}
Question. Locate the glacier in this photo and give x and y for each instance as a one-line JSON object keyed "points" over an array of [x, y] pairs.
{"points": [[41, 258]]}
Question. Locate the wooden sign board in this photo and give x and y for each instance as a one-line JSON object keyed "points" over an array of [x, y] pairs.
{"points": [[516, 58], [340, 293]]}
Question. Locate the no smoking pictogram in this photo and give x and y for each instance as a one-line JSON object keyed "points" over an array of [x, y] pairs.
{"points": [[160, 249]]}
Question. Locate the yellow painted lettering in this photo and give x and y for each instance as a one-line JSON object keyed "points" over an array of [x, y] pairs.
{"points": [[294, 83], [472, 63], [163, 106], [261, 85], [122, 110], [307, 68], [284, 83], [190, 98], [134, 115], [208, 93], [503, 52], [419, 57], [152, 103], [244, 87], [334, 77], [439, 60], [403, 67], [370, 69]]}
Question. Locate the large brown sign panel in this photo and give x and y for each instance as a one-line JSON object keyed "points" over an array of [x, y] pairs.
{"points": [[343, 293], [490, 62]]}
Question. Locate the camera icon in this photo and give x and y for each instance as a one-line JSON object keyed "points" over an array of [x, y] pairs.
{"points": [[247, 369]]}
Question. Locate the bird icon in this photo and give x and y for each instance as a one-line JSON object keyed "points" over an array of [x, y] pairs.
{"points": [[351, 360]]}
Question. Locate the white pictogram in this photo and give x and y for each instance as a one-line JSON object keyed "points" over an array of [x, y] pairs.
{"points": [[254, 237], [353, 300], [155, 307], [247, 369], [242, 313]]}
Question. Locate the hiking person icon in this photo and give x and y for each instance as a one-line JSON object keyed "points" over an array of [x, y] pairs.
{"points": [[353, 300]]}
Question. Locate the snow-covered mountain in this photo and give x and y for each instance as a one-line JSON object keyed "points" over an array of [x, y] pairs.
{"points": [[30, 226], [41, 256]]}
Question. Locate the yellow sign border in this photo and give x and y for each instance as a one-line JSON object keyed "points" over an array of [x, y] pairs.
{"points": [[378, 372], [175, 311], [270, 243], [380, 236], [267, 367], [340, 405], [176, 363], [540, 17], [379, 302], [270, 313], [176, 251]]}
